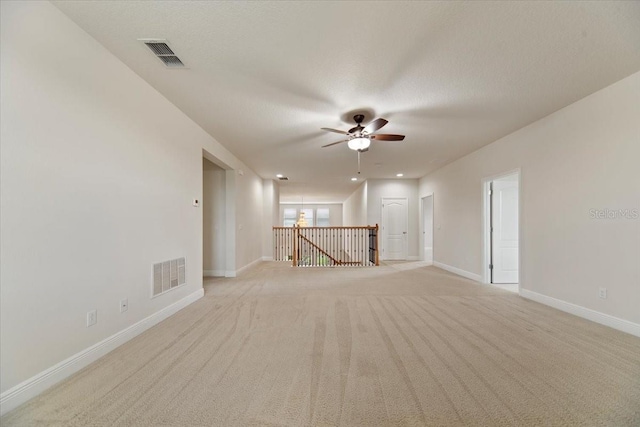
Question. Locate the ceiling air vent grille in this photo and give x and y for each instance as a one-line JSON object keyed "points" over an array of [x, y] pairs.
{"points": [[160, 48], [171, 61], [284, 178], [164, 53]]}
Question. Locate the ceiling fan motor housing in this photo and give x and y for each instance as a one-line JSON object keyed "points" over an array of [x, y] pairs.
{"points": [[358, 118]]}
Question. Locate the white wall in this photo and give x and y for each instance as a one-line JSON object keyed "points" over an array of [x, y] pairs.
{"points": [[335, 211], [378, 189], [98, 172], [355, 207], [249, 221], [271, 215], [580, 158], [213, 219]]}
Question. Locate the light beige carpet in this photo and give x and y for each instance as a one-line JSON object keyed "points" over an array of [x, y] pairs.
{"points": [[396, 345]]}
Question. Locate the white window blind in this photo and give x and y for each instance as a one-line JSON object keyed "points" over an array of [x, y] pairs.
{"points": [[322, 217]]}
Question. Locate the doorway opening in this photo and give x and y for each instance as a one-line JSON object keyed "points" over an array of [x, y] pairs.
{"points": [[218, 217], [213, 219], [394, 229], [501, 197], [427, 229]]}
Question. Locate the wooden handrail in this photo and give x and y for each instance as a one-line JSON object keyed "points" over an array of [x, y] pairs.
{"points": [[335, 261], [357, 227]]}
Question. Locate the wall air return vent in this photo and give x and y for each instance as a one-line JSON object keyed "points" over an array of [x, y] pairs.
{"points": [[164, 53], [168, 275]]}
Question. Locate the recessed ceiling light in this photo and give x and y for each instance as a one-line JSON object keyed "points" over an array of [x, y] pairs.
{"points": [[399, 175], [354, 179], [279, 175]]}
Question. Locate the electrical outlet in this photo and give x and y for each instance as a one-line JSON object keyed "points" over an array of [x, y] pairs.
{"points": [[92, 318], [602, 293], [124, 305]]}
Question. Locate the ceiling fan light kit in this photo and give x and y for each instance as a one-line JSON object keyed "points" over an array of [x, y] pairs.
{"points": [[359, 143]]}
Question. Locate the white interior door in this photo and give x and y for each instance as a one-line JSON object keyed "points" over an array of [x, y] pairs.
{"points": [[504, 225], [394, 229], [427, 228]]}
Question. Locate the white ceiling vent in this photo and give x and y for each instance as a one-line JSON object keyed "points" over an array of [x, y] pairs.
{"points": [[163, 52]]}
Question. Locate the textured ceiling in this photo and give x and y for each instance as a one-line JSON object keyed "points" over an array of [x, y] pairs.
{"points": [[264, 77]]}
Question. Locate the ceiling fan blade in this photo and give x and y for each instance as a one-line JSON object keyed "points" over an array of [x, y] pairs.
{"points": [[335, 130], [387, 137], [334, 143], [375, 125]]}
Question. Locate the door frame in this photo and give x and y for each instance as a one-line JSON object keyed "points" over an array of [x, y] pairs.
{"points": [[433, 220], [406, 238], [229, 235], [486, 225]]}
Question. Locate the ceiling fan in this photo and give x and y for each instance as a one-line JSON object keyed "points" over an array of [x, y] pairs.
{"points": [[359, 137]]}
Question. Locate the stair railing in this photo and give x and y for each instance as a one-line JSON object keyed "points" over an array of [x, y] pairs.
{"points": [[327, 246]]}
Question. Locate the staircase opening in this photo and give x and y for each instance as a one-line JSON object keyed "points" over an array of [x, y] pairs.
{"points": [[327, 246]]}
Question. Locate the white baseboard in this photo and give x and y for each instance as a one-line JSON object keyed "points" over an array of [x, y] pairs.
{"points": [[236, 273], [267, 258], [458, 271], [248, 266], [413, 258], [213, 273], [585, 313], [35, 385]]}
